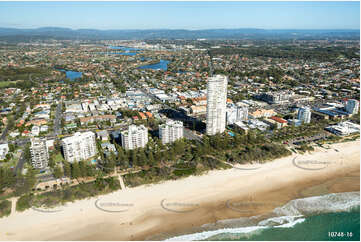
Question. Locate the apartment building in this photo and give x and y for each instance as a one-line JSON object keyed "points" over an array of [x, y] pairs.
{"points": [[352, 106], [80, 146], [236, 114], [39, 153], [304, 115], [135, 137], [216, 104], [276, 97], [171, 131]]}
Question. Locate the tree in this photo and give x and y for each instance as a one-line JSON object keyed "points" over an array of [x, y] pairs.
{"points": [[171, 155], [82, 168], [7, 178], [133, 158], [11, 147], [109, 165], [188, 156], [90, 170], [51, 162], [151, 161], [122, 159], [58, 173], [75, 170], [8, 156], [25, 183], [27, 155], [142, 158], [67, 168]]}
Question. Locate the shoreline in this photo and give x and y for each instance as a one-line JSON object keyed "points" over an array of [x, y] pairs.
{"points": [[171, 208]]}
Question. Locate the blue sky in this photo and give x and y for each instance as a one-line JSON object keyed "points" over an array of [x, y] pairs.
{"points": [[185, 15]]}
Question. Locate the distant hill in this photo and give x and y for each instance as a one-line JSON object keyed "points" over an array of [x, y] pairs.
{"points": [[94, 34]]}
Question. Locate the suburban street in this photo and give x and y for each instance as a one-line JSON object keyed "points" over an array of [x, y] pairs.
{"points": [[19, 166], [4, 133], [57, 120]]}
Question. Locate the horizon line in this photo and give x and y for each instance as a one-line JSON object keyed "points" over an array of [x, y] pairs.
{"points": [[188, 29]]}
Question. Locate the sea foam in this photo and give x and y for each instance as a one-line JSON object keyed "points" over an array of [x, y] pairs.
{"points": [[289, 215], [334, 202], [280, 222]]}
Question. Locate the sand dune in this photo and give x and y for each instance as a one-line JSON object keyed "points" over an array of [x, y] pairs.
{"points": [[173, 207]]}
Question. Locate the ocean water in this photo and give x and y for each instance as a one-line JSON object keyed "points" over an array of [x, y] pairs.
{"points": [[333, 217]]}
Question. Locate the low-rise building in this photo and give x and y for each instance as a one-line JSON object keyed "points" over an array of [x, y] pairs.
{"points": [[263, 113], [199, 110], [344, 128], [276, 97], [35, 130], [102, 135], [99, 118], [279, 122]]}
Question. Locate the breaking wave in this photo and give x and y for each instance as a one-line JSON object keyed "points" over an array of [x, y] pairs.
{"points": [[287, 216]]}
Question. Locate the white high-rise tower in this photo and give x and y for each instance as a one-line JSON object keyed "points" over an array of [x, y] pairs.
{"points": [[216, 104], [352, 106], [39, 153], [304, 114]]}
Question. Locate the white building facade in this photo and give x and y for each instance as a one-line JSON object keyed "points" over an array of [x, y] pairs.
{"points": [[236, 114], [80, 146], [216, 104], [171, 131], [135, 137], [242, 113], [304, 114], [4, 150], [39, 153], [352, 106]]}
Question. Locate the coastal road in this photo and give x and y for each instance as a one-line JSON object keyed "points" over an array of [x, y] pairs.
{"points": [[188, 134], [4, 133], [19, 166], [21, 142], [57, 120]]}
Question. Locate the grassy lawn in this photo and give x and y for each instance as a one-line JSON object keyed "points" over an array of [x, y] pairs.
{"points": [[4, 84], [58, 158]]}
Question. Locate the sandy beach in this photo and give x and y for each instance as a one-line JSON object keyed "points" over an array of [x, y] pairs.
{"points": [[176, 207]]}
